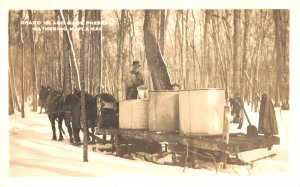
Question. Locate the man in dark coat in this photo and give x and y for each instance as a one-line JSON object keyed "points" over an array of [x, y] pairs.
{"points": [[267, 123], [136, 79], [237, 109]]}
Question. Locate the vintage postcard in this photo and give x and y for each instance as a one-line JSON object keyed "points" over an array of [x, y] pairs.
{"points": [[149, 90]]}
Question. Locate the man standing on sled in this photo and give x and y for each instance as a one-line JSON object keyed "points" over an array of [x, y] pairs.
{"points": [[136, 79]]}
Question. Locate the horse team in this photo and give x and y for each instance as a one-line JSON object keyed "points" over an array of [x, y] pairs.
{"points": [[67, 108]]}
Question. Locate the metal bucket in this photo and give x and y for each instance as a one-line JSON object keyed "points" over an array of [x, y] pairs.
{"points": [[164, 111], [134, 114], [201, 111], [142, 92]]}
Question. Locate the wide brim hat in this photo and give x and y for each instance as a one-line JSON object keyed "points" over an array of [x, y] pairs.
{"points": [[136, 63]]}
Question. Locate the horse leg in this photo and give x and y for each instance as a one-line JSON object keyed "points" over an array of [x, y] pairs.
{"points": [[88, 129], [76, 135], [61, 138], [41, 109], [76, 129], [53, 129], [67, 123], [91, 125], [93, 133], [75, 113]]}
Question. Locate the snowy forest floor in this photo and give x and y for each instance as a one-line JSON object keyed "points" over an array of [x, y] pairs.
{"points": [[32, 153]]}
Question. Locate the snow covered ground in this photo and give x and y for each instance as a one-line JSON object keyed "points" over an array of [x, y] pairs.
{"points": [[32, 153]]}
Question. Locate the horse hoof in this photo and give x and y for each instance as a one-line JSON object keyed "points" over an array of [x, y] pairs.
{"points": [[60, 139]]}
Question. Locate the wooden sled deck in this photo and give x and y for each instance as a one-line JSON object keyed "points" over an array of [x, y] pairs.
{"points": [[238, 142]]}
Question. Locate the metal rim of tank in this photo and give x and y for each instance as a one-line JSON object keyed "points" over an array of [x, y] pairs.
{"points": [[201, 89], [164, 91]]}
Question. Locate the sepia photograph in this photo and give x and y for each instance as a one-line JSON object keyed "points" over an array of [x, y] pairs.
{"points": [[139, 93]]}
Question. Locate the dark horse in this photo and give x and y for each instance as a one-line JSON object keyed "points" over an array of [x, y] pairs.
{"points": [[59, 110], [90, 108], [43, 94], [107, 117]]}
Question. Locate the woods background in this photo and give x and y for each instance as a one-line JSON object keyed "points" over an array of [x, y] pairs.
{"points": [[200, 49]]}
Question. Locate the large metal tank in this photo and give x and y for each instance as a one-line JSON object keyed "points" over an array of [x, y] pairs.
{"points": [[201, 111], [164, 111], [134, 114]]}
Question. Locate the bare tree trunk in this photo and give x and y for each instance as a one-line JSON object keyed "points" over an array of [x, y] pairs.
{"points": [[182, 60], [121, 38], [22, 65], [33, 62], [59, 51], [279, 56], [83, 57], [237, 57], [100, 53], [285, 39], [188, 63], [244, 88], [194, 52], [157, 66], [229, 59], [206, 53], [11, 109], [131, 37], [162, 32], [12, 88], [282, 60], [177, 52], [67, 88]]}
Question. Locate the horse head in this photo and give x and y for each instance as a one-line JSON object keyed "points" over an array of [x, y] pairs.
{"points": [[77, 92], [44, 92]]}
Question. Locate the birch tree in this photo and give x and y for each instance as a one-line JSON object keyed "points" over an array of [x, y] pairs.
{"points": [[83, 60]]}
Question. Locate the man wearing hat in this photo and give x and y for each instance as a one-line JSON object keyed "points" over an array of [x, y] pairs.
{"points": [[136, 79]]}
